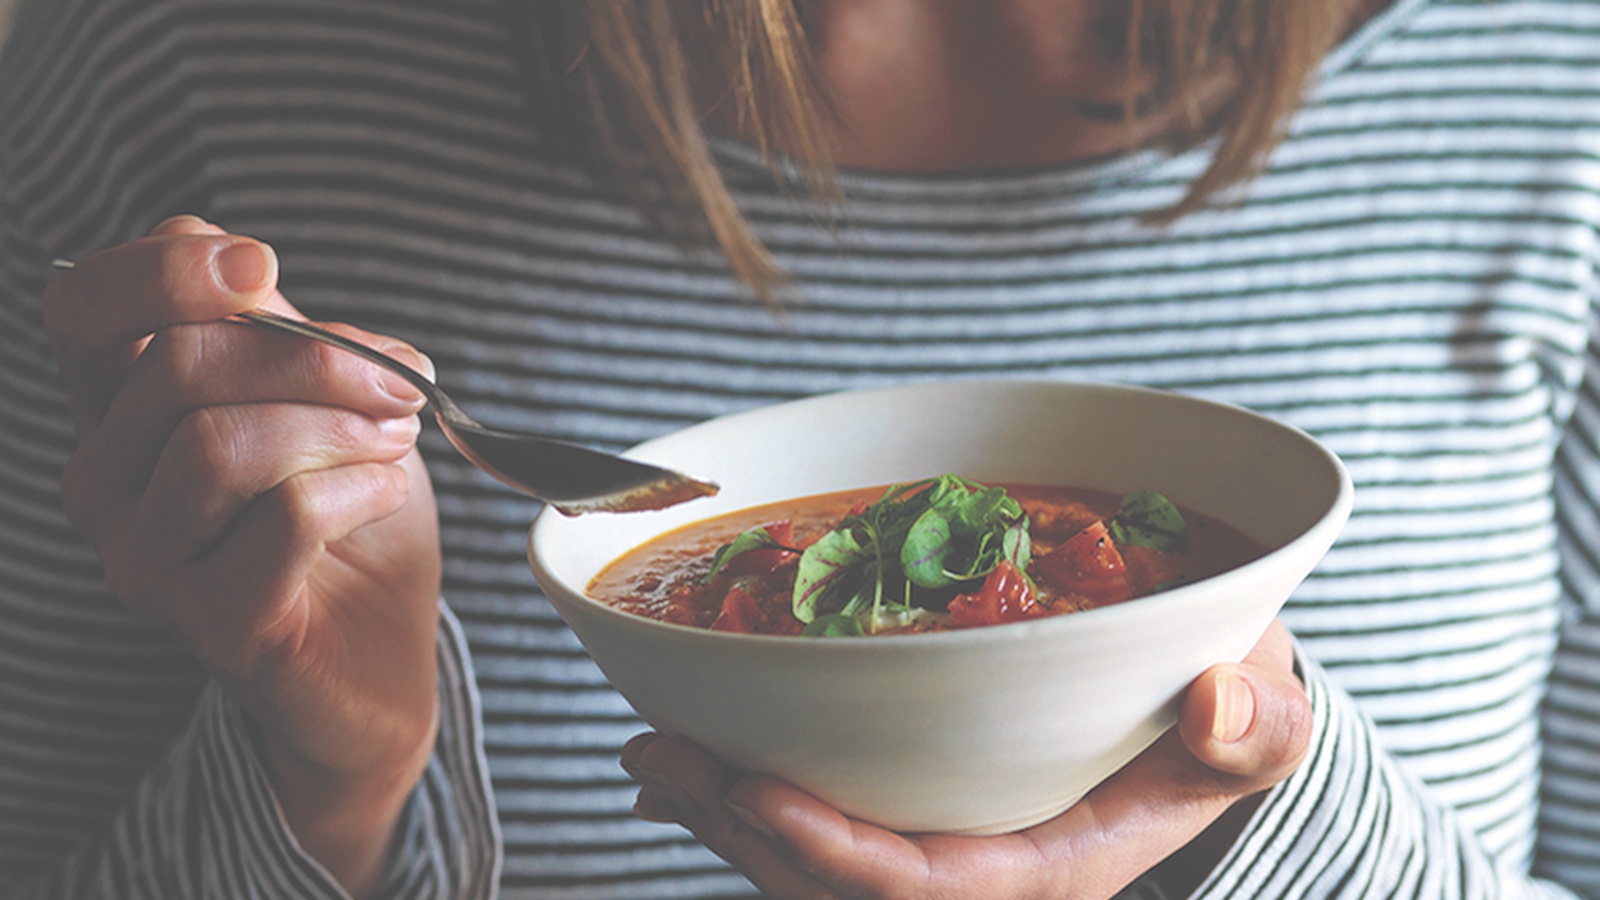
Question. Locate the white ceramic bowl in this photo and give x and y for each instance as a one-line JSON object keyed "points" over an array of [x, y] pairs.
{"points": [[983, 730]]}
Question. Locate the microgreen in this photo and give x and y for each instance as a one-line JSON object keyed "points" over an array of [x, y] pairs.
{"points": [[754, 539], [833, 625], [929, 534], [828, 569], [1147, 519], [965, 532]]}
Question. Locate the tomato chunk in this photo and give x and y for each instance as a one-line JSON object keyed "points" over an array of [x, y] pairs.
{"points": [[1087, 565], [740, 612], [1149, 569], [1004, 597], [743, 613]]}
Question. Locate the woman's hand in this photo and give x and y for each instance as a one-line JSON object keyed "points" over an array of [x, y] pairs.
{"points": [[262, 497], [1242, 729]]}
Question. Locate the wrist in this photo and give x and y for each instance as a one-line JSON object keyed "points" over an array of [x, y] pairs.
{"points": [[346, 821]]}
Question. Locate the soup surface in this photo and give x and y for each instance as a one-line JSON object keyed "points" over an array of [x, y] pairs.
{"points": [[935, 555]]}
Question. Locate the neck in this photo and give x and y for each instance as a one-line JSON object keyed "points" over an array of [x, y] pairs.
{"points": [[962, 84]]}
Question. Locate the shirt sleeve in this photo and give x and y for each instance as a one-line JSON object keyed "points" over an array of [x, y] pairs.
{"points": [[204, 821], [1569, 811], [1351, 822], [96, 144], [1569, 808]]}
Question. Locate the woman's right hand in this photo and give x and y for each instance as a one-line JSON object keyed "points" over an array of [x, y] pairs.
{"points": [[261, 496]]}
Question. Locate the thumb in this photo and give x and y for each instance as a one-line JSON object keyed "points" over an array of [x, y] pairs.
{"points": [[1250, 722], [188, 225]]}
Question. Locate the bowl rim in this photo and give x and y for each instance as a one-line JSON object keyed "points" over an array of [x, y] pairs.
{"points": [[1323, 531]]}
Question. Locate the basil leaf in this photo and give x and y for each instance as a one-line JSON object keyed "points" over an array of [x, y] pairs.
{"points": [[1147, 519], [823, 571], [835, 625], [979, 511], [981, 554], [754, 539], [967, 531], [927, 546], [928, 534]]}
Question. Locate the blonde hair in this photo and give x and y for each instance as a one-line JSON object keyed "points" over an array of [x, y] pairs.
{"points": [[629, 82]]}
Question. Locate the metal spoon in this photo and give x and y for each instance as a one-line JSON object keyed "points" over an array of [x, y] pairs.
{"points": [[569, 477]]}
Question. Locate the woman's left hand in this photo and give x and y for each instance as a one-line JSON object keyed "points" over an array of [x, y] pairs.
{"points": [[1242, 729]]}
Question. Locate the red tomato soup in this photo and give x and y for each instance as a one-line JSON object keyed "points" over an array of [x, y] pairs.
{"points": [[936, 555]]}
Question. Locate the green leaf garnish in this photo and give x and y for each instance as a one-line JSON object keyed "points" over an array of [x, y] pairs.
{"points": [[825, 572], [965, 533], [754, 539], [927, 547], [1147, 519], [929, 534]]}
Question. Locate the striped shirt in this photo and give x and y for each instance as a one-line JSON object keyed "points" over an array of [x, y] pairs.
{"points": [[1414, 280]]}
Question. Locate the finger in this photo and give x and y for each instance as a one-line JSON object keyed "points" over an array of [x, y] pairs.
{"points": [[246, 599], [222, 457], [1250, 723], [858, 859], [186, 223], [684, 784], [193, 367], [194, 225], [98, 313]]}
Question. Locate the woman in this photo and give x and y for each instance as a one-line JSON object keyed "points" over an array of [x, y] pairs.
{"points": [[261, 693]]}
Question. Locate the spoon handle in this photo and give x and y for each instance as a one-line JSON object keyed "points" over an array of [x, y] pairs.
{"points": [[295, 326], [571, 478], [439, 401]]}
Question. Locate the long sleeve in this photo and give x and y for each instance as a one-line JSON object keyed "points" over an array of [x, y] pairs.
{"points": [[1356, 821], [1569, 820], [1569, 825], [204, 823], [1352, 822], [123, 771]]}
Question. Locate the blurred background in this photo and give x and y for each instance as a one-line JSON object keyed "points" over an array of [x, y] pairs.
{"points": [[5, 16]]}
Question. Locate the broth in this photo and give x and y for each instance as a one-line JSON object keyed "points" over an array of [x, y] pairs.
{"points": [[1083, 549]]}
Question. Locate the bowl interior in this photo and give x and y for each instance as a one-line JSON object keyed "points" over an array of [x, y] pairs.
{"points": [[1261, 476]]}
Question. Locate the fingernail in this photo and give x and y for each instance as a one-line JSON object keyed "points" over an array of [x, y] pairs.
{"points": [[651, 776], [421, 362], [398, 386], [245, 266], [187, 220], [1236, 708], [652, 807], [402, 429], [666, 790], [750, 818], [413, 358], [631, 751]]}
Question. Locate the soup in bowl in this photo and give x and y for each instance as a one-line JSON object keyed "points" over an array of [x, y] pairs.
{"points": [[928, 726]]}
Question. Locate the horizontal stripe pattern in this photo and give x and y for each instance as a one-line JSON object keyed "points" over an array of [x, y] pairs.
{"points": [[1412, 280]]}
